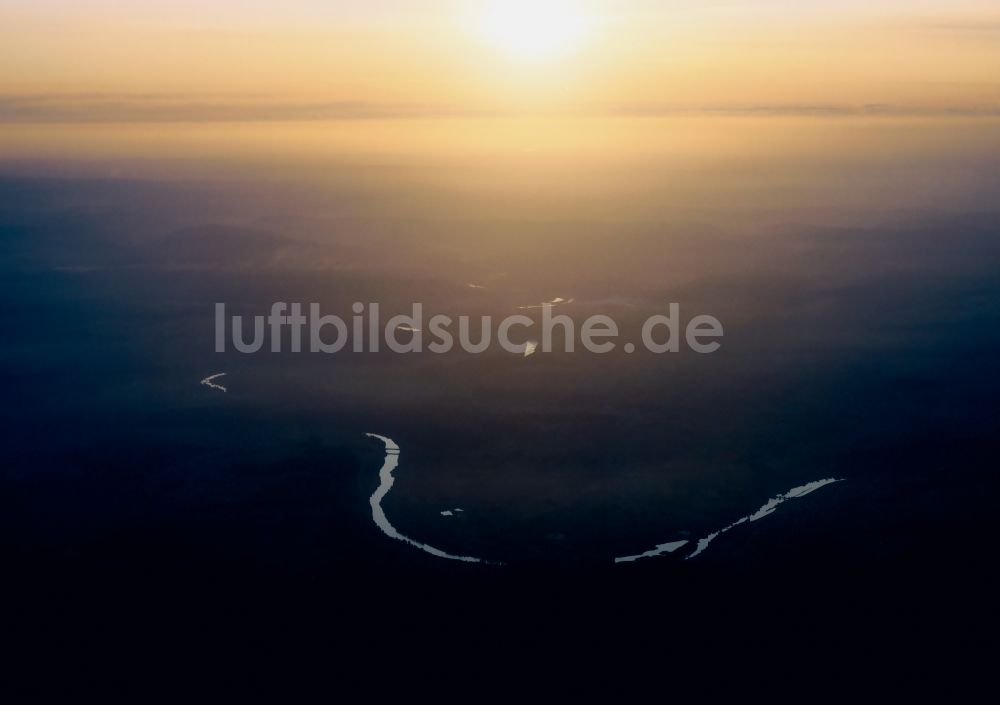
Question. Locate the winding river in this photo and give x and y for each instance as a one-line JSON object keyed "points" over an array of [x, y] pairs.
{"points": [[386, 480]]}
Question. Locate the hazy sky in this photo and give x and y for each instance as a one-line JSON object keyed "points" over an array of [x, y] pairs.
{"points": [[443, 55]]}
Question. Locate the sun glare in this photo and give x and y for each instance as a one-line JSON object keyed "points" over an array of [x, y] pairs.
{"points": [[535, 29]]}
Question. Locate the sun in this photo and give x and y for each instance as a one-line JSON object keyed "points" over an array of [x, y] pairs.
{"points": [[535, 29]]}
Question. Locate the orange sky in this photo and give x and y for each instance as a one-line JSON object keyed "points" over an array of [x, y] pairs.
{"points": [[428, 57]]}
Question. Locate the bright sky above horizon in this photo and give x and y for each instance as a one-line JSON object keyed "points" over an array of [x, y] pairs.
{"points": [[466, 55]]}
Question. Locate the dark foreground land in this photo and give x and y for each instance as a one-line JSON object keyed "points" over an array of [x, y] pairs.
{"points": [[153, 529]]}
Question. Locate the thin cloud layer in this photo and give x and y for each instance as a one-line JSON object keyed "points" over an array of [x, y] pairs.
{"points": [[197, 108]]}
